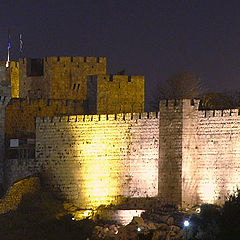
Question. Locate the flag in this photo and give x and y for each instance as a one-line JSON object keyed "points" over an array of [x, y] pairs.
{"points": [[20, 43], [9, 45]]}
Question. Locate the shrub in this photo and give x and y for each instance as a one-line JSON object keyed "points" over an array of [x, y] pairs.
{"points": [[230, 217], [205, 225]]}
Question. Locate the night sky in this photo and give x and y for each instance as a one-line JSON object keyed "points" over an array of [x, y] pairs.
{"points": [[151, 38]]}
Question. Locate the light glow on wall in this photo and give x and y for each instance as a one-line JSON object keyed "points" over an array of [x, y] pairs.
{"points": [[101, 172]]}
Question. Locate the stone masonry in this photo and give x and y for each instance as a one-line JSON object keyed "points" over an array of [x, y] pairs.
{"points": [[182, 155], [97, 159]]}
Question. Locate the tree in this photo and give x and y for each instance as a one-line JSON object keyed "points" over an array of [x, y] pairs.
{"points": [[221, 100], [184, 84]]}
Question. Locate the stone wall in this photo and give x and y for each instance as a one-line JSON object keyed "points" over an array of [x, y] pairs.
{"points": [[183, 156], [21, 113], [199, 153], [170, 151], [98, 159], [18, 169], [211, 147]]}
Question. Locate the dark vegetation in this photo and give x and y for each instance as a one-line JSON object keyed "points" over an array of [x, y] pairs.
{"points": [[216, 223], [186, 84], [35, 219]]}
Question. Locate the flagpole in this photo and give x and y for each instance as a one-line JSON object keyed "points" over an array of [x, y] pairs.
{"points": [[9, 46]]}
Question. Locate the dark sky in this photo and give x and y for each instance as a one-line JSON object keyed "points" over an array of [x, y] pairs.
{"points": [[151, 38]]}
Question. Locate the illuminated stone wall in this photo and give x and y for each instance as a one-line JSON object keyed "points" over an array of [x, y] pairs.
{"points": [[199, 153], [182, 155], [21, 113], [98, 159], [211, 156], [63, 77], [116, 93]]}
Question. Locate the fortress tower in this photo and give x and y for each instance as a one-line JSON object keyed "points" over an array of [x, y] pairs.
{"points": [[115, 94], [58, 77]]}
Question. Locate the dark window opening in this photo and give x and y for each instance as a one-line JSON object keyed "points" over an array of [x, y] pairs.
{"points": [[34, 67], [74, 86], [78, 86]]}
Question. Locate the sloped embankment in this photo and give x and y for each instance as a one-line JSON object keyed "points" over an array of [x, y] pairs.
{"points": [[15, 193]]}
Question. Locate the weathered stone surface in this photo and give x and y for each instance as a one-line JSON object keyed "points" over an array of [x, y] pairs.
{"points": [[97, 159]]}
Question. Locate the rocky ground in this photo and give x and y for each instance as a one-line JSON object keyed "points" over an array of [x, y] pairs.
{"points": [[157, 224]]}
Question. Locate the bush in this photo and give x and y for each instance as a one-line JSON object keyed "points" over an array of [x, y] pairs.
{"points": [[230, 217], [214, 222], [204, 226]]}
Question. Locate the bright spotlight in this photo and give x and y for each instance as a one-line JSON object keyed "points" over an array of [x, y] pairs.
{"points": [[186, 223], [138, 229]]}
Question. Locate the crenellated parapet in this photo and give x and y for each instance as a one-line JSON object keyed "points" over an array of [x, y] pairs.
{"points": [[75, 59], [127, 117], [219, 113], [177, 104]]}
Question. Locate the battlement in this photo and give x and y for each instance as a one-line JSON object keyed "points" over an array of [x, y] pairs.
{"points": [[219, 113], [57, 59], [114, 77], [175, 103], [101, 117], [22, 102]]}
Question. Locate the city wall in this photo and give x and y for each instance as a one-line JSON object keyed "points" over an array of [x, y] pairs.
{"points": [[100, 159], [199, 153], [211, 156], [183, 155]]}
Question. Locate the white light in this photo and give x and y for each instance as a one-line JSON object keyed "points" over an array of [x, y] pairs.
{"points": [[73, 218], [139, 229], [186, 223]]}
